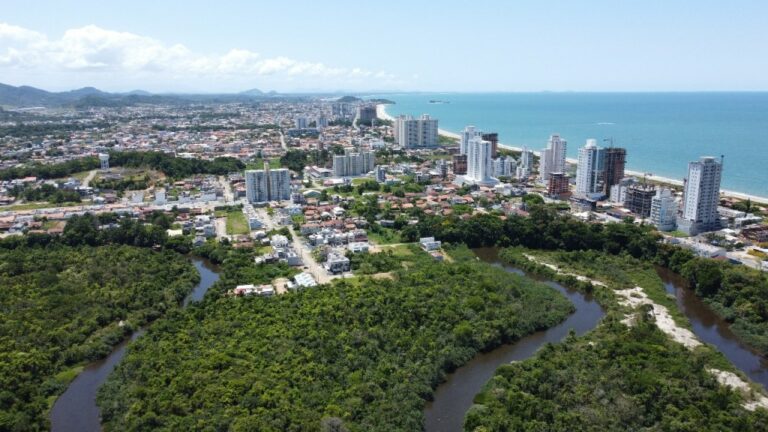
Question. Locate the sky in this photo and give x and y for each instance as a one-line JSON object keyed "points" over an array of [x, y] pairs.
{"points": [[330, 46]]}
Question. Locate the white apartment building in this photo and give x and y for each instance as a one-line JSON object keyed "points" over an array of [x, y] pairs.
{"points": [[618, 192], [504, 166], [664, 210], [416, 133], [467, 134], [589, 173], [701, 196], [353, 164], [523, 171], [479, 162], [267, 185], [552, 158]]}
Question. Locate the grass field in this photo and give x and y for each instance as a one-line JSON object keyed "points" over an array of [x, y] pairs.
{"points": [[40, 205], [259, 164], [385, 236], [236, 223]]}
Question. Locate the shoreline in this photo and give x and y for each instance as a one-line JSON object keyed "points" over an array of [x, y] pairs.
{"points": [[381, 111]]}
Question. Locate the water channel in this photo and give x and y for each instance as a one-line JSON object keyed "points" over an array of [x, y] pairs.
{"points": [[454, 397], [76, 410], [710, 328]]}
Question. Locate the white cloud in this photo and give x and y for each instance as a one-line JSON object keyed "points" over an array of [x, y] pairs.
{"points": [[94, 49]]}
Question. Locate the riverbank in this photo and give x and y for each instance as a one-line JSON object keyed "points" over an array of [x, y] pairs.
{"points": [[638, 302], [381, 112], [76, 408], [454, 397]]}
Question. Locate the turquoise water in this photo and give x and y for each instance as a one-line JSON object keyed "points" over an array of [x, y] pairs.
{"points": [[662, 132]]}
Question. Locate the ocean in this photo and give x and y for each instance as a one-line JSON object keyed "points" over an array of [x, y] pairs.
{"points": [[662, 132]]}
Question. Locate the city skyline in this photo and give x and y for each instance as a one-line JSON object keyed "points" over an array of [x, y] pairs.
{"points": [[605, 46]]}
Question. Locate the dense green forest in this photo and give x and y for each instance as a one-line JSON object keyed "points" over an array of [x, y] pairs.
{"points": [[172, 166], [46, 192], [122, 184], [617, 378], [61, 305], [175, 167], [51, 171], [740, 294], [357, 355]]}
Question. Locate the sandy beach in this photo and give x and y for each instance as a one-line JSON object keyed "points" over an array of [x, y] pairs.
{"points": [[381, 111]]}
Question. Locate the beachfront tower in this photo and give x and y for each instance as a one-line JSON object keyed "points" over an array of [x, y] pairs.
{"points": [[467, 134], [413, 133], [701, 196], [589, 173], [523, 170], [479, 162], [615, 161], [552, 158], [664, 210]]}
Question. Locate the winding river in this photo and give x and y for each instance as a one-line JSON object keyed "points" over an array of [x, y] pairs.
{"points": [[454, 397], [76, 410]]}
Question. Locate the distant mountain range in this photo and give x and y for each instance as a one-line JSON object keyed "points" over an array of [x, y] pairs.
{"points": [[26, 97]]}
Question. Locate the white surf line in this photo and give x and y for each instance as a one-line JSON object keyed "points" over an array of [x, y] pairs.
{"points": [[635, 297]]}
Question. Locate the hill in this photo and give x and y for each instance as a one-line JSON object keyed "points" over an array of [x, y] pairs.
{"points": [[26, 96]]}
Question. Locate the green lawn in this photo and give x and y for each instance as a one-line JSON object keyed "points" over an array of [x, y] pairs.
{"points": [[259, 164], [385, 236], [236, 223], [40, 205], [78, 175]]}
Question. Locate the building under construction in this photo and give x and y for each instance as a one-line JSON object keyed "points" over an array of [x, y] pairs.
{"points": [[557, 184], [615, 161], [638, 199]]}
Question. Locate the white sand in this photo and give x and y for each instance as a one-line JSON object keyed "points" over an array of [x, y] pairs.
{"points": [[635, 297], [730, 379], [381, 112]]}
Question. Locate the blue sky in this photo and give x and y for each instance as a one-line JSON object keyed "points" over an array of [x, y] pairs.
{"points": [[390, 45]]}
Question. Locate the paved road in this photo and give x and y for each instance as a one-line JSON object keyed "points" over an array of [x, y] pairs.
{"points": [[282, 141], [316, 270]]}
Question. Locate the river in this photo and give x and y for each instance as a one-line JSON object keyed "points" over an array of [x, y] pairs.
{"points": [[76, 410], [710, 328], [453, 398]]}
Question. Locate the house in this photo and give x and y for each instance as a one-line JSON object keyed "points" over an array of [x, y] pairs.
{"points": [[358, 247], [250, 289], [278, 241], [304, 280], [337, 263], [429, 244]]}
